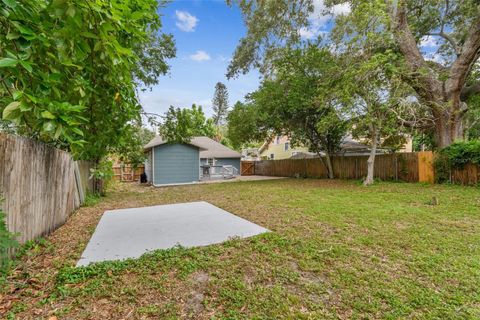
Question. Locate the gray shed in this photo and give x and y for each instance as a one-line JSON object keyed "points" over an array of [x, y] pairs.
{"points": [[176, 163]]}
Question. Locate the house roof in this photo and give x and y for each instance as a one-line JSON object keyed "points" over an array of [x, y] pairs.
{"points": [[215, 149], [208, 148], [157, 141]]}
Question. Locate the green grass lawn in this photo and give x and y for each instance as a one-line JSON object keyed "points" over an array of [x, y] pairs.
{"points": [[336, 250]]}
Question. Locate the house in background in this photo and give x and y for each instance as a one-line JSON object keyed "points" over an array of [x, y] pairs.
{"points": [[180, 163], [216, 154], [279, 148]]}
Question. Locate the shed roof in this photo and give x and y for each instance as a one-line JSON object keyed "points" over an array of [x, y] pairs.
{"points": [[209, 148], [157, 141]]}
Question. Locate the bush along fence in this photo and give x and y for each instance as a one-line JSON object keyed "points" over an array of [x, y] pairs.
{"points": [[409, 167], [41, 186], [459, 163]]}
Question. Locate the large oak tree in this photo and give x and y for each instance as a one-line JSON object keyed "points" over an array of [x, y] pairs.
{"points": [[439, 78]]}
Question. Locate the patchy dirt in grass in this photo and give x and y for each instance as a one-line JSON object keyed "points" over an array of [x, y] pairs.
{"points": [[195, 301]]}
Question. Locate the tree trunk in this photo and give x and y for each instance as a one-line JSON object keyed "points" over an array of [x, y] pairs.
{"points": [[371, 159], [448, 118], [328, 162]]}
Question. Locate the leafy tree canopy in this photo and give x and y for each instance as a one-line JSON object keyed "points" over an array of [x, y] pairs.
{"points": [[131, 143], [181, 125], [69, 69], [439, 79], [245, 125], [301, 100]]}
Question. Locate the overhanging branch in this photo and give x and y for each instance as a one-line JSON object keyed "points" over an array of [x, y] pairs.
{"points": [[449, 39]]}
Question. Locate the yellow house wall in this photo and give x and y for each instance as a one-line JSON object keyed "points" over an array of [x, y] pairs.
{"points": [[279, 151]]}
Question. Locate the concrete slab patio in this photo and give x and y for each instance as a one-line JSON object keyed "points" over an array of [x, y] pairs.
{"points": [[129, 233]]}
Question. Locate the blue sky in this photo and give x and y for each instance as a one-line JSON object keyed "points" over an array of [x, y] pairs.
{"points": [[206, 33]]}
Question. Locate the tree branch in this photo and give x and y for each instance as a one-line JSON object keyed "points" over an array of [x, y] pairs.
{"points": [[426, 84], [462, 65], [469, 91], [444, 35], [449, 39]]}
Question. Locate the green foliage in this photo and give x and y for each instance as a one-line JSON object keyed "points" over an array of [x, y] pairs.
{"points": [[181, 125], [460, 153], [103, 170], [103, 175], [7, 243], [130, 145], [378, 26], [244, 125], [270, 25], [69, 69], [302, 101], [472, 118], [91, 199], [456, 155], [423, 142], [220, 104]]}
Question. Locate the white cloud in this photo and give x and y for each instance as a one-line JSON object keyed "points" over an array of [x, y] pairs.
{"points": [[428, 41], [436, 57], [341, 9], [185, 21], [320, 16], [313, 32], [306, 33], [200, 55]]}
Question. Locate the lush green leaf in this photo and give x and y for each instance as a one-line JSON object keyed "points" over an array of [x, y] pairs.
{"points": [[47, 115], [8, 62], [8, 111]]}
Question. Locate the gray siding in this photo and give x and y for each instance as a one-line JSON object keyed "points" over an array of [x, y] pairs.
{"points": [[175, 163], [228, 162]]}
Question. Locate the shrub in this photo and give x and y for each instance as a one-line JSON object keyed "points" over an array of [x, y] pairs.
{"points": [[460, 153], [7, 243], [456, 156], [103, 174]]}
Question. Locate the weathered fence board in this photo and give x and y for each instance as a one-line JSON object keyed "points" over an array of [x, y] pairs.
{"points": [[410, 167], [400, 166], [426, 170], [468, 175], [41, 185], [125, 172]]}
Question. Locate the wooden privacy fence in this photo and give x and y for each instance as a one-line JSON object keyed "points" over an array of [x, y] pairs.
{"points": [[468, 175], [247, 168], [41, 185], [125, 173], [411, 167]]}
